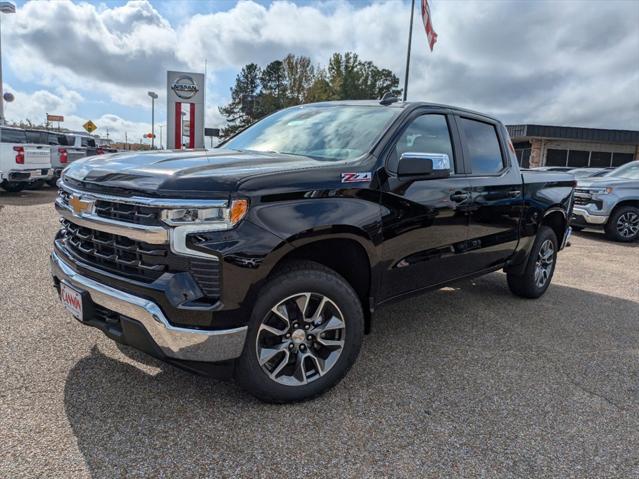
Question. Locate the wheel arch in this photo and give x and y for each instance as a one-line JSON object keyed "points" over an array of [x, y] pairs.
{"points": [[556, 219], [347, 252]]}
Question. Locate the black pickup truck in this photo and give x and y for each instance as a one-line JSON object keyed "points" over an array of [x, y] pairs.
{"points": [[266, 257]]}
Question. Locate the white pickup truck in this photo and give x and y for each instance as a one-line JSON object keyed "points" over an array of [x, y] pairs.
{"points": [[21, 162]]}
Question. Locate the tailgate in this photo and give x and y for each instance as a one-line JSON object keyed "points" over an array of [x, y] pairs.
{"points": [[37, 156], [75, 153]]}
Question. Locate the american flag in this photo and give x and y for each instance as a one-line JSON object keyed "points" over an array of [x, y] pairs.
{"points": [[428, 26]]}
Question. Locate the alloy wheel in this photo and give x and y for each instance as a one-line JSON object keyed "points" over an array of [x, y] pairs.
{"points": [[544, 263], [300, 339], [628, 224]]}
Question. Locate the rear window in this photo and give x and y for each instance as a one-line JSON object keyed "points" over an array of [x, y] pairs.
{"points": [[35, 137], [482, 145], [53, 139], [12, 136], [90, 142]]}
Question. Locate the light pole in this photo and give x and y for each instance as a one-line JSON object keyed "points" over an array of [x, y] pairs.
{"points": [[153, 96], [5, 7]]}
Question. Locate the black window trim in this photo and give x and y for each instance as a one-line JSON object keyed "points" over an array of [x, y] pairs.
{"points": [[503, 147], [457, 159]]}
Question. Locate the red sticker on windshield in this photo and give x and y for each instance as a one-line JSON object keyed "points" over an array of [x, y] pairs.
{"points": [[357, 177]]}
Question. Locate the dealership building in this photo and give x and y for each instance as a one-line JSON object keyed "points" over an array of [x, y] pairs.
{"points": [[545, 145]]}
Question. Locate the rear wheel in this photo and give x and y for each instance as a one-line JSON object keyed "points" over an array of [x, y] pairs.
{"points": [[540, 266], [52, 182], [304, 335], [36, 185], [13, 186], [623, 224]]}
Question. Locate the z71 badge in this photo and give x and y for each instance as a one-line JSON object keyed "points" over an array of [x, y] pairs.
{"points": [[357, 177]]}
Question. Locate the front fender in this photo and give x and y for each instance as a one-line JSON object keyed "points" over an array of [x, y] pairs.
{"points": [[302, 221]]}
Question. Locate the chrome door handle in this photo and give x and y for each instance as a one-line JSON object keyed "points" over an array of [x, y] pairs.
{"points": [[514, 193]]}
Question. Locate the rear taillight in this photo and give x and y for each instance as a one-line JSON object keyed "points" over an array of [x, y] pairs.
{"points": [[99, 151], [19, 154], [64, 156]]}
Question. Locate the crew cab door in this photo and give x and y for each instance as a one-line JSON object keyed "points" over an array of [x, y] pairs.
{"points": [[497, 192], [424, 220]]}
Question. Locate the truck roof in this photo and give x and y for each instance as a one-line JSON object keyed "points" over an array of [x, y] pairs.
{"points": [[399, 104]]}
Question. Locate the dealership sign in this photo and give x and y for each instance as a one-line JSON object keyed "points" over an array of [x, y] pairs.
{"points": [[185, 93], [58, 118], [185, 87]]}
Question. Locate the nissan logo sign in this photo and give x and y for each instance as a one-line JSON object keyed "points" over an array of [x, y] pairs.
{"points": [[185, 87]]}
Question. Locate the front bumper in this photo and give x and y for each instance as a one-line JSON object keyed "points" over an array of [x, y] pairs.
{"points": [[179, 343], [582, 216]]}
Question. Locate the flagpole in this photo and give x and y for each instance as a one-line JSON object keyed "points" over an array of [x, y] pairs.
{"points": [[410, 38]]}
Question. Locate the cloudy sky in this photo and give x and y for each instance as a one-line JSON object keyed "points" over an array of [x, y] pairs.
{"points": [[553, 62]]}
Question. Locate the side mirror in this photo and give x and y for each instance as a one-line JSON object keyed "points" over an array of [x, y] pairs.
{"points": [[423, 165]]}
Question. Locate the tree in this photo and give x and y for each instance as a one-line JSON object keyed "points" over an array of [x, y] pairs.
{"points": [[274, 87], [241, 112], [300, 73], [295, 80]]}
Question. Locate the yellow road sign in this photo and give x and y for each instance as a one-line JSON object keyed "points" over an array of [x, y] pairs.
{"points": [[90, 126]]}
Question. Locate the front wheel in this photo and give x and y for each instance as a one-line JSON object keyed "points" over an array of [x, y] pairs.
{"points": [[305, 333], [623, 224], [540, 266]]}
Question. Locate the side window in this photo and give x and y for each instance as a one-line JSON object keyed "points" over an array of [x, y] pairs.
{"points": [[9, 135], [482, 145], [425, 134], [34, 137]]}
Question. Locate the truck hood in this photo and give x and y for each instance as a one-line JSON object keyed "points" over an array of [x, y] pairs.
{"points": [[606, 181], [182, 173]]}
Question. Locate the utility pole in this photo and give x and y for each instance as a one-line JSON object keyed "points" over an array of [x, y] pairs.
{"points": [[125, 141], [160, 127], [153, 96], [410, 39], [5, 7]]}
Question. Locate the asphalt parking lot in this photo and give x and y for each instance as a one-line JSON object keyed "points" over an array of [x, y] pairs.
{"points": [[467, 381]]}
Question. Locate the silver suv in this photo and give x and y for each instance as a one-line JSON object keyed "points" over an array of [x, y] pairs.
{"points": [[610, 202]]}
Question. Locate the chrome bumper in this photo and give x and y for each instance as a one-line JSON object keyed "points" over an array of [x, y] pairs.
{"points": [[589, 218], [175, 342]]}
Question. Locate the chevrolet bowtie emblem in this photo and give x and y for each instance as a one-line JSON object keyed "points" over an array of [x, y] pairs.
{"points": [[79, 206]]}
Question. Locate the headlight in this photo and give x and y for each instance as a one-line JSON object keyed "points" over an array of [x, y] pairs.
{"points": [[218, 218], [599, 191]]}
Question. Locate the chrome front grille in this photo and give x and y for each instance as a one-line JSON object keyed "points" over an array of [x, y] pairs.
{"points": [[128, 213], [141, 215], [125, 236], [582, 200], [116, 254]]}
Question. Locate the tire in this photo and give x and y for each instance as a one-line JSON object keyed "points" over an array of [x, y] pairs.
{"points": [[36, 185], [623, 224], [540, 266], [52, 182], [14, 186], [303, 367]]}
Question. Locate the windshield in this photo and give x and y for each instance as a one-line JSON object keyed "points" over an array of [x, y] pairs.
{"points": [[323, 132], [630, 171]]}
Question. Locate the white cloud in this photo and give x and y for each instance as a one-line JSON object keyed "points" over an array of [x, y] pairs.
{"points": [[35, 106], [570, 62]]}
